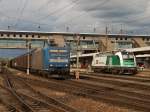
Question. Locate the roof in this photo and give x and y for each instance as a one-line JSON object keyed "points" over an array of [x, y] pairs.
{"points": [[139, 49], [143, 56], [83, 55], [49, 33], [71, 33]]}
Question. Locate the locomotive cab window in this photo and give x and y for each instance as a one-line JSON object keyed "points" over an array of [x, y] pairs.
{"points": [[61, 53], [127, 55], [97, 55]]}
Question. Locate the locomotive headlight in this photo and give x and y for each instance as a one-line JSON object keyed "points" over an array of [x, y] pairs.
{"points": [[66, 65], [51, 65]]}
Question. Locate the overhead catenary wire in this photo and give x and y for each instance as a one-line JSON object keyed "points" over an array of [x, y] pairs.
{"points": [[37, 23], [45, 24], [58, 10], [63, 12], [21, 13], [43, 6], [84, 12]]}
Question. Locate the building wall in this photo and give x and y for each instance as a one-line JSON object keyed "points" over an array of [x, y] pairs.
{"points": [[88, 42], [139, 42]]}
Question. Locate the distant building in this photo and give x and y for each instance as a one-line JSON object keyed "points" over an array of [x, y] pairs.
{"points": [[88, 42]]}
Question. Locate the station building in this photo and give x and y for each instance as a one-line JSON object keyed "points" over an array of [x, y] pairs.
{"points": [[83, 42], [87, 42]]}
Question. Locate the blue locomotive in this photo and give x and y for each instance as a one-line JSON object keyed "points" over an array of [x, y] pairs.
{"points": [[47, 61]]}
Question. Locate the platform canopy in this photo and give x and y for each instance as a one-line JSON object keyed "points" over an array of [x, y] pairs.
{"points": [[140, 50]]}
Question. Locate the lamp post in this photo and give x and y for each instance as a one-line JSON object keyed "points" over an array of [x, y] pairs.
{"points": [[8, 27], [28, 57], [67, 29], [77, 70], [78, 40], [39, 27]]}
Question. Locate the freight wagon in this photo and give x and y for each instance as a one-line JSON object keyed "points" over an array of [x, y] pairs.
{"points": [[0, 66], [121, 62], [3, 65], [51, 60]]}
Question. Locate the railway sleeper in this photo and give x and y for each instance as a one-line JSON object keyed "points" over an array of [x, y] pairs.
{"points": [[144, 106], [48, 99]]}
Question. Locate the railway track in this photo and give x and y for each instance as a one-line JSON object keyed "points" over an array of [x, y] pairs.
{"points": [[38, 98], [113, 76], [24, 106], [122, 81], [10, 107], [130, 97], [28, 103]]}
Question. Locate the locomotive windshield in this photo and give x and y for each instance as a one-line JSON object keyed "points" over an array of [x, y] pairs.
{"points": [[56, 53], [127, 55]]}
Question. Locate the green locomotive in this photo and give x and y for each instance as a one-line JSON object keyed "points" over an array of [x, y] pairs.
{"points": [[121, 62]]}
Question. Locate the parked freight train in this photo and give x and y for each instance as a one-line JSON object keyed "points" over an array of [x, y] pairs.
{"points": [[121, 62], [0, 67], [51, 60], [3, 65]]}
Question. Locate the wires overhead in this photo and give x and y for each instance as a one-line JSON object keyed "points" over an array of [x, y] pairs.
{"points": [[21, 12], [59, 10], [73, 14], [83, 13], [63, 12], [43, 6]]}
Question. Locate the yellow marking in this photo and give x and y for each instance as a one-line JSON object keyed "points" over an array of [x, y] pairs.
{"points": [[61, 51], [58, 60], [53, 50]]}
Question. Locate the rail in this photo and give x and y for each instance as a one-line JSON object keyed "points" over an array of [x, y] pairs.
{"points": [[25, 106]]}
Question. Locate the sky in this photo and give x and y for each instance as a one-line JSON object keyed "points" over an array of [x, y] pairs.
{"points": [[78, 16], [10, 53]]}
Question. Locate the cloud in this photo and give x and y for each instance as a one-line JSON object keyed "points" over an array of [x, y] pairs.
{"points": [[78, 15]]}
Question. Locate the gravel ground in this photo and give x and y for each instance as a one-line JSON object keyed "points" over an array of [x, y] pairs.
{"points": [[3, 108], [4, 98], [1, 80], [82, 104], [89, 105], [145, 73]]}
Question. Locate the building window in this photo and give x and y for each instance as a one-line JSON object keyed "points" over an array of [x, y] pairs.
{"points": [[39, 36], [20, 35], [126, 38], [116, 38], [26, 35], [32, 36], [147, 39], [143, 39], [2, 35], [120, 38], [8, 35], [83, 37], [14, 35], [96, 61]]}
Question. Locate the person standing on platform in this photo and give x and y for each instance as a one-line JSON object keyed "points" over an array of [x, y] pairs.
{"points": [[77, 75]]}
